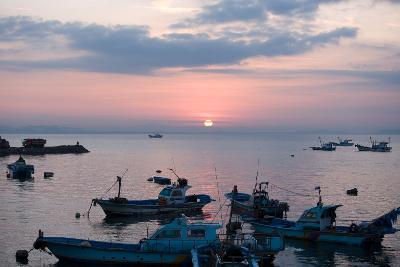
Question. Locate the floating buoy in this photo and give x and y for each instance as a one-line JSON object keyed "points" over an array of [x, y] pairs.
{"points": [[158, 171], [292, 155], [21, 256], [352, 192], [77, 215], [48, 174]]}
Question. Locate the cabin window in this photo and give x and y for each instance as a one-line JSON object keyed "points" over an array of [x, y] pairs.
{"points": [[165, 192], [310, 215], [169, 234], [196, 233], [176, 193]]}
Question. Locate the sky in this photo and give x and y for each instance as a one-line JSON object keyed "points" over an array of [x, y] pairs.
{"points": [[262, 65]]}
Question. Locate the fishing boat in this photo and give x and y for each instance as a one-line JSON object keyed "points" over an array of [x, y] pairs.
{"points": [[258, 203], [20, 170], [343, 142], [237, 248], [319, 224], [324, 146], [169, 245], [241, 250], [155, 135], [376, 146], [172, 198]]}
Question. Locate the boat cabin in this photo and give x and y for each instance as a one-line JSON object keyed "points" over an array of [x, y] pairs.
{"points": [[175, 193], [318, 218], [181, 235]]}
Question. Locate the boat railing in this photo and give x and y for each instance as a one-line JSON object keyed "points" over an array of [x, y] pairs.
{"points": [[174, 245], [253, 242]]}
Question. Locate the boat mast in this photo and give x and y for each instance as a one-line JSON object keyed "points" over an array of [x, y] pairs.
{"points": [[119, 179]]}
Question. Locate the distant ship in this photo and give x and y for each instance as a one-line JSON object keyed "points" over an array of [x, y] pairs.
{"points": [[376, 146], [343, 142], [155, 135], [324, 146]]}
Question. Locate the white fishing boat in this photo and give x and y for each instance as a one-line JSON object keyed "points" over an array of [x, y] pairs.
{"points": [[172, 198]]}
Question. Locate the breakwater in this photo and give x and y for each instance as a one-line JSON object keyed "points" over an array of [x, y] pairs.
{"points": [[63, 149]]}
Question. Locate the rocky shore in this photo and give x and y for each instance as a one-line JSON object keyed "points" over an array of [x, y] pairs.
{"points": [[64, 149]]}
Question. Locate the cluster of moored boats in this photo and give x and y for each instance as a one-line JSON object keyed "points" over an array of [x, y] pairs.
{"points": [[376, 146], [186, 243]]}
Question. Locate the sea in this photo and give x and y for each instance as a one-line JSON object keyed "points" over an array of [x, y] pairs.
{"points": [[213, 164]]}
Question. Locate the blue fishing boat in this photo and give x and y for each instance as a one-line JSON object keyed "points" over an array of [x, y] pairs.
{"points": [[319, 224], [169, 245], [20, 170], [258, 203], [172, 198]]}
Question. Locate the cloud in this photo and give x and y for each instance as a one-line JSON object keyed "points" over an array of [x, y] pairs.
{"points": [[227, 11], [131, 49]]}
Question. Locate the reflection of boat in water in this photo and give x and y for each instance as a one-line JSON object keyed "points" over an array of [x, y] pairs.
{"points": [[155, 135], [319, 224], [324, 146], [169, 245], [376, 146], [20, 170], [172, 198], [331, 254], [258, 203], [160, 219]]}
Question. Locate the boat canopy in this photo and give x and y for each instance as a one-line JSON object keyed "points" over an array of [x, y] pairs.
{"points": [[319, 217]]}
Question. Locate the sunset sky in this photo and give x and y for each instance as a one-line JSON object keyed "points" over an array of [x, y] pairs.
{"points": [[172, 64]]}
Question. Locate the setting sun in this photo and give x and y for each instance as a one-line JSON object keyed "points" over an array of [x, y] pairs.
{"points": [[208, 123]]}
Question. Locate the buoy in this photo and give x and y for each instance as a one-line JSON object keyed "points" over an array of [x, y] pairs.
{"points": [[352, 192], [77, 215], [292, 155], [158, 171], [21, 256]]}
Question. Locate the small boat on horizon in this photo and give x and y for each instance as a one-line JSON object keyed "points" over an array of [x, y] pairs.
{"points": [[376, 146], [343, 142], [172, 198], [169, 245], [155, 135], [319, 224], [20, 170], [258, 203]]}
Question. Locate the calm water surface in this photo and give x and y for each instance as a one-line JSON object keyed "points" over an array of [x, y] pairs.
{"points": [[51, 204]]}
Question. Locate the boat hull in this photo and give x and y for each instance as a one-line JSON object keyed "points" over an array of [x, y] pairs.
{"points": [[113, 254], [346, 238], [121, 209]]}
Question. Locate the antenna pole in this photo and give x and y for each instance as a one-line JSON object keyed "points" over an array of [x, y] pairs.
{"points": [[174, 173], [258, 168]]}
